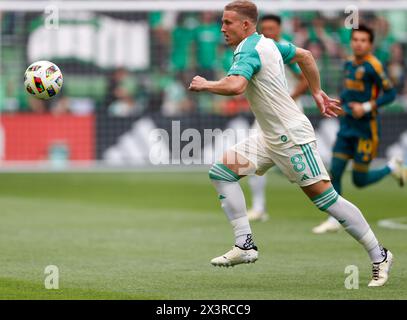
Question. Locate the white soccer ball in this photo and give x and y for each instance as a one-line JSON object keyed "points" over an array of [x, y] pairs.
{"points": [[43, 80]]}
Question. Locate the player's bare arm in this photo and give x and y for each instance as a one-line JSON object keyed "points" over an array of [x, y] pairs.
{"points": [[228, 86], [328, 107]]}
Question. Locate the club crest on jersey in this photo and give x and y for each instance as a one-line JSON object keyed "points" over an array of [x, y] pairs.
{"points": [[359, 73]]}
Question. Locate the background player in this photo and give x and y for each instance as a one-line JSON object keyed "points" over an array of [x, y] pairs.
{"points": [[286, 139], [270, 27], [358, 136]]}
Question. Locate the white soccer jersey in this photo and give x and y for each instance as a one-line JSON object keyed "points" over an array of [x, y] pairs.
{"points": [[261, 61], [292, 70]]}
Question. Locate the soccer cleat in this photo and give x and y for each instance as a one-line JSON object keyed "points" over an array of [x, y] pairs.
{"points": [[327, 226], [380, 271], [255, 215], [398, 170], [236, 256]]}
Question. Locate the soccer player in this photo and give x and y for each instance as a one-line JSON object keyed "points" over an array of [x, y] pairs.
{"points": [[286, 139], [270, 27], [357, 138]]}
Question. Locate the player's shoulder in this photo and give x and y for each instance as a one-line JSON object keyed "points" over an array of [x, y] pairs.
{"points": [[374, 63], [349, 60], [249, 44]]}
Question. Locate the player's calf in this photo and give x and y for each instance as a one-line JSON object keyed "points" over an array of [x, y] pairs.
{"points": [[349, 216], [233, 204]]}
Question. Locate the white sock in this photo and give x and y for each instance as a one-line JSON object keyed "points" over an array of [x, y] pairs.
{"points": [[258, 188], [350, 217], [374, 249], [233, 203], [391, 165]]}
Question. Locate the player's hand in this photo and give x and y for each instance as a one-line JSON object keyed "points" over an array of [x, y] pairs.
{"points": [[357, 109], [328, 107], [197, 84]]}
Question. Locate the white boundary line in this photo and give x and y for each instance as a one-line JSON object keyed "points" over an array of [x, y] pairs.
{"points": [[394, 223], [198, 5]]}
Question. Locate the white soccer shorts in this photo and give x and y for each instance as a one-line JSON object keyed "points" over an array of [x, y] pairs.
{"points": [[301, 164]]}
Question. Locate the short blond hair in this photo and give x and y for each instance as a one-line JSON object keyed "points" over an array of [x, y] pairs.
{"points": [[245, 8]]}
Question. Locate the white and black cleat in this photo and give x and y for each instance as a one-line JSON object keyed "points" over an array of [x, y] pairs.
{"points": [[236, 256], [381, 270]]}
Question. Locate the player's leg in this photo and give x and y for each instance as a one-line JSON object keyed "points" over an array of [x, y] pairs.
{"points": [[257, 186], [361, 174], [342, 152], [225, 176], [324, 196], [258, 191]]}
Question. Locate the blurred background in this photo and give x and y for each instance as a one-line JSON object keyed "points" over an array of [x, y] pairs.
{"points": [[127, 66]]}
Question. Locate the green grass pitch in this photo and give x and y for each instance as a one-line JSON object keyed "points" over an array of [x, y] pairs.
{"points": [[152, 235]]}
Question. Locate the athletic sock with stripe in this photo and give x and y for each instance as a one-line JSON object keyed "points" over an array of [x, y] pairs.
{"points": [[233, 203], [350, 217]]}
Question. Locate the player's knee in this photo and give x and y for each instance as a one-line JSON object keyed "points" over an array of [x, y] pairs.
{"points": [[359, 179], [220, 172]]}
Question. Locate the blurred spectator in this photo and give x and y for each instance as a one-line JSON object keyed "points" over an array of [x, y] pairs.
{"points": [[181, 42], [343, 37], [61, 106], [318, 50], [57, 106], [176, 101], [160, 41], [397, 66], [300, 33], [120, 100], [38, 106], [318, 31], [383, 39], [8, 23], [207, 39]]}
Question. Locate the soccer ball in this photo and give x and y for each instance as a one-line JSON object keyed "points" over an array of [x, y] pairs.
{"points": [[43, 80]]}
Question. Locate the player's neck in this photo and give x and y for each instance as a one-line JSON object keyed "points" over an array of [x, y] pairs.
{"points": [[249, 33], [361, 58], [245, 36]]}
